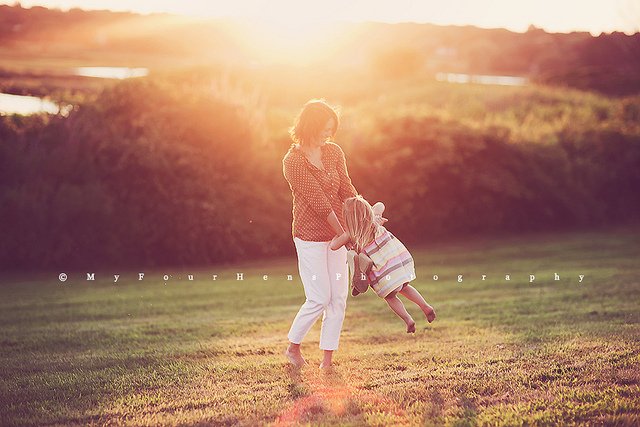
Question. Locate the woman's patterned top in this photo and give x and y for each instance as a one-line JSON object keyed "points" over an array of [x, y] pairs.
{"points": [[317, 192]]}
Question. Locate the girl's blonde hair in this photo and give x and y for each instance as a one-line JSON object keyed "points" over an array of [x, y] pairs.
{"points": [[359, 221]]}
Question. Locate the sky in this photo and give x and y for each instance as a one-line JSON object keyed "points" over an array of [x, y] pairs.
{"points": [[594, 16]]}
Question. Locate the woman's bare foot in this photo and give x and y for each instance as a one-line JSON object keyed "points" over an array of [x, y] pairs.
{"points": [[411, 327], [430, 313], [327, 360], [295, 358]]}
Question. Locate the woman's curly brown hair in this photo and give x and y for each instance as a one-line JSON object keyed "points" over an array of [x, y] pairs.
{"points": [[312, 119]]}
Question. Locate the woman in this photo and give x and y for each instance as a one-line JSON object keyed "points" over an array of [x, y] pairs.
{"points": [[316, 171]]}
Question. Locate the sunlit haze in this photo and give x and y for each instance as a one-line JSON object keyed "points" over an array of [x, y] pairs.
{"points": [[595, 16]]}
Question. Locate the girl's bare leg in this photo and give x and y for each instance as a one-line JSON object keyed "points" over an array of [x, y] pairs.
{"points": [[398, 308], [365, 262], [414, 296]]}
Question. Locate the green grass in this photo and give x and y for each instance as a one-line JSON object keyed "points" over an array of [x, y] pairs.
{"points": [[209, 352]]}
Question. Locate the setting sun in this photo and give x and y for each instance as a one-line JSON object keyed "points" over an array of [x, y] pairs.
{"points": [[293, 40]]}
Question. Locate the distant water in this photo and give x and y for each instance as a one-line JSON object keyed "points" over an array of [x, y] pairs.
{"points": [[111, 72], [480, 79], [19, 104], [25, 105]]}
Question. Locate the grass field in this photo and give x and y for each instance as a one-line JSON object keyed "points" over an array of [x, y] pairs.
{"points": [[209, 352]]}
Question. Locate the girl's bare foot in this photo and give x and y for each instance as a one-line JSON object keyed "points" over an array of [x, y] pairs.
{"points": [[324, 365], [295, 358], [411, 327], [430, 313]]}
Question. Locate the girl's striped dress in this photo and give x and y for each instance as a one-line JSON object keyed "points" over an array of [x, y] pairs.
{"points": [[392, 263]]}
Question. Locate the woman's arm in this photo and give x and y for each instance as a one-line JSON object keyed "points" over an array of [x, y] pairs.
{"points": [[332, 218], [346, 187], [342, 237], [338, 241]]}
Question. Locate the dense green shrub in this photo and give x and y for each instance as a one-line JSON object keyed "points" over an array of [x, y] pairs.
{"points": [[441, 178], [181, 172], [149, 174]]}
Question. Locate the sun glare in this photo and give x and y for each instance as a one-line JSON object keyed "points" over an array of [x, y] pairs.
{"points": [[299, 40]]}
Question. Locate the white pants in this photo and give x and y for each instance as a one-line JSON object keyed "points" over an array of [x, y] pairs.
{"points": [[324, 277]]}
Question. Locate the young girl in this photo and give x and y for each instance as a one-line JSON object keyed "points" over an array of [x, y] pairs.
{"points": [[384, 260]]}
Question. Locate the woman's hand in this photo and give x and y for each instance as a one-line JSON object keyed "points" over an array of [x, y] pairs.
{"points": [[338, 241]]}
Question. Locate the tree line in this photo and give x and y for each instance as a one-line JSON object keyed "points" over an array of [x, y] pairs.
{"points": [[607, 63]]}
